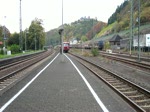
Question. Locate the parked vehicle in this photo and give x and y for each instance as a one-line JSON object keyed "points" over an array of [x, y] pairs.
{"points": [[144, 42], [100, 45]]}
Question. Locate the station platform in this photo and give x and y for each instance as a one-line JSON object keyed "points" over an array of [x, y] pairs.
{"points": [[60, 87]]}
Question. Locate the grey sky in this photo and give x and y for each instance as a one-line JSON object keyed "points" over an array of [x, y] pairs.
{"points": [[50, 11]]}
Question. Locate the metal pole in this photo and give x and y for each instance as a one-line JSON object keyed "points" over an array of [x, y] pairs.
{"points": [[62, 31], [4, 39], [20, 39], [25, 40], [139, 49], [39, 42], [93, 33], [35, 41], [131, 27], [60, 45]]}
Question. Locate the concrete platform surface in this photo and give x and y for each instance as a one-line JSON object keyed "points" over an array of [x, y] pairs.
{"points": [[60, 88]]}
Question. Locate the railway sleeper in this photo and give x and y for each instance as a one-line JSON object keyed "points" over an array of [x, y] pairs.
{"points": [[4, 82], [137, 97], [143, 102], [2, 87], [106, 76], [128, 93], [121, 86], [117, 84], [110, 79], [125, 89], [146, 108], [8, 81], [115, 81], [16, 76], [12, 80]]}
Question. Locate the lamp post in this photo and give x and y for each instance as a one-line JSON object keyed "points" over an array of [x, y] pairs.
{"points": [[60, 33], [139, 49], [25, 40], [26, 32], [39, 41], [131, 26], [35, 40], [20, 38]]}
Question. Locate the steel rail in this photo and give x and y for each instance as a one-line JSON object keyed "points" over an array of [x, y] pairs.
{"points": [[144, 66], [18, 61], [26, 64], [136, 96], [7, 61]]}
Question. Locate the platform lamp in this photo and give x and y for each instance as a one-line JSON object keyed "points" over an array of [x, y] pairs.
{"points": [[60, 33]]}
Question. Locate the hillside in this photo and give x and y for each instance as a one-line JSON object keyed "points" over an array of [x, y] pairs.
{"points": [[83, 29], [119, 22]]}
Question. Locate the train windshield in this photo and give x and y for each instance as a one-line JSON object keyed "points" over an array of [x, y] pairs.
{"points": [[65, 45]]}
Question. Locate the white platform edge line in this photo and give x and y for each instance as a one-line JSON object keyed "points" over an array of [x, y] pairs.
{"points": [[90, 87], [16, 95]]}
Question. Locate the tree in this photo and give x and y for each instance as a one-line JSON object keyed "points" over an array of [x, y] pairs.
{"points": [[14, 39], [115, 16], [84, 38], [36, 38], [107, 45]]}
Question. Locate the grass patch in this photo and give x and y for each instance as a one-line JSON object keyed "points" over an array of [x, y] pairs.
{"points": [[18, 54]]}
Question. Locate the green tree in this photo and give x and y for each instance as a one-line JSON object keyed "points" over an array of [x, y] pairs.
{"points": [[107, 45], [15, 48], [84, 38], [36, 36], [14, 39], [1, 31]]}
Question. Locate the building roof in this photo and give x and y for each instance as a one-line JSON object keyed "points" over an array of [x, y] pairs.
{"points": [[115, 38]]}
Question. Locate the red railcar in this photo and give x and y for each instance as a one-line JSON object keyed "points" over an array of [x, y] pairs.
{"points": [[66, 47]]}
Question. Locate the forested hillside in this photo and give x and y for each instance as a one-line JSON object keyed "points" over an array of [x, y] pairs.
{"points": [[120, 19], [83, 29], [86, 28]]}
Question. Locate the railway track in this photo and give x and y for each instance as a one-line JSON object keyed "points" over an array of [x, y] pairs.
{"points": [[144, 65], [136, 96], [10, 61], [13, 72]]}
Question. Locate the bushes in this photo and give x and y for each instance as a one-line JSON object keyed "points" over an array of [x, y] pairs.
{"points": [[94, 51], [107, 45], [1, 51], [14, 49]]}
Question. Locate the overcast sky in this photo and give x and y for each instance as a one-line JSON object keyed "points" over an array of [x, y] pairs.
{"points": [[50, 11]]}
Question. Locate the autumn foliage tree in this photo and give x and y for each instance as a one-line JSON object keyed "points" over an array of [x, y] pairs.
{"points": [[95, 29]]}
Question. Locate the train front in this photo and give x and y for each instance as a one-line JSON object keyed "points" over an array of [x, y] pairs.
{"points": [[66, 47]]}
